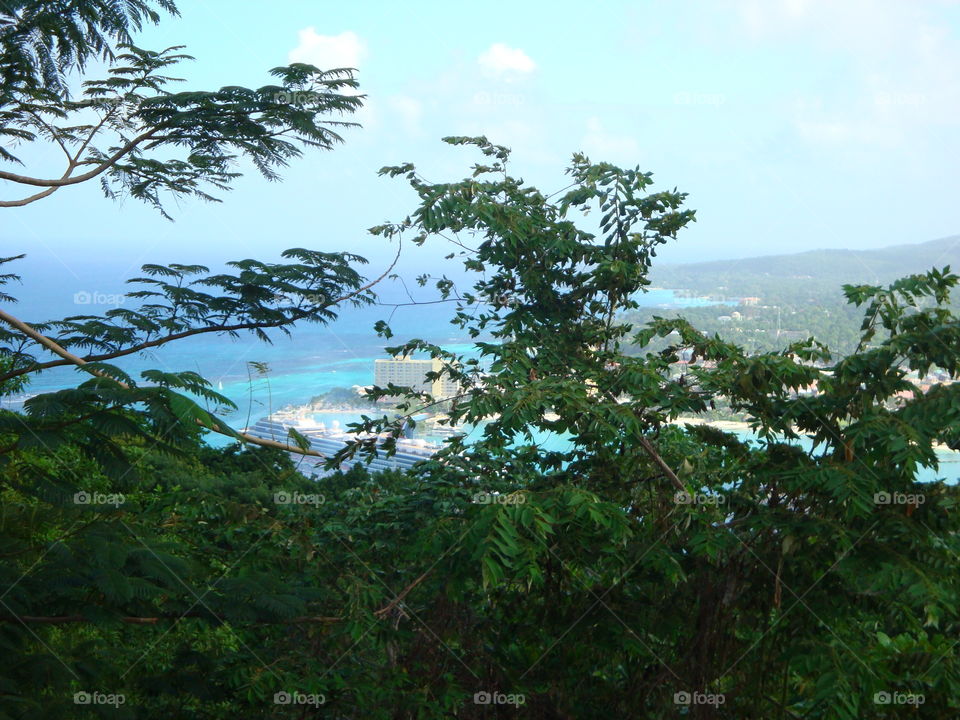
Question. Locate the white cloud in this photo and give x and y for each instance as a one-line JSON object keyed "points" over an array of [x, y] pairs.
{"points": [[410, 111], [844, 133], [601, 145], [346, 50], [499, 59], [896, 61], [329, 51]]}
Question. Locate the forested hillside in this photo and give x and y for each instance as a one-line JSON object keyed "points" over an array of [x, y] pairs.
{"points": [[814, 276], [640, 568], [767, 302]]}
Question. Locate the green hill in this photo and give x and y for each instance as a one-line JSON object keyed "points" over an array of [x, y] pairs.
{"points": [[807, 276]]}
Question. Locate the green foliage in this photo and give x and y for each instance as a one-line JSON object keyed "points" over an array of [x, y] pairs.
{"points": [[176, 593], [179, 301], [165, 410], [129, 130], [43, 41], [632, 566], [774, 575], [800, 295], [341, 396], [769, 327]]}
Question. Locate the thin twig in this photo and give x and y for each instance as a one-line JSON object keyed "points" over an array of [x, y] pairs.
{"points": [[81, 363], [301, 315]]}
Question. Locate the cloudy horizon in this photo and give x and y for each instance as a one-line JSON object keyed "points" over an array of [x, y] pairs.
{"points": [[792, 124]]}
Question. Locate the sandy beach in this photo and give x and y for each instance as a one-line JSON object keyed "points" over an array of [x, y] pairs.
{"points": [[728, 425], [735, 426], [742, 427]]}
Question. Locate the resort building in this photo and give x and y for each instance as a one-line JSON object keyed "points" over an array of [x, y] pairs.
{"points": [[329, 440], [412, 373]]}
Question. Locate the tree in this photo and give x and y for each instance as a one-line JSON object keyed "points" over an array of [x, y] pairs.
{"points": [[116, 133], [637, 568], [75, 568], [644, 565], [121, 125]]}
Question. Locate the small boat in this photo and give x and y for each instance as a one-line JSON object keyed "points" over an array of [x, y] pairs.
{"points": [[329, 439]]}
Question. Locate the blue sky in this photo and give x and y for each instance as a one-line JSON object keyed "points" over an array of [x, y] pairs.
{"points": [[793, 124]]}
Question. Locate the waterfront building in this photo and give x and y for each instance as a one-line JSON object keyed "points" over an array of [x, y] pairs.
{"points": [[410, 372], [329, 441]]}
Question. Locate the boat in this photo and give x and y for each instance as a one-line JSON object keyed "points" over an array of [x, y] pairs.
{"points": [[330, 440]]}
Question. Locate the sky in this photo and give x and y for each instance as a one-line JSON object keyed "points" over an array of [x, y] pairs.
{"points": [[792, 124]]}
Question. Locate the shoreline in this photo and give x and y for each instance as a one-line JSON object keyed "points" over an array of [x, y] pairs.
{"points": [[736, 426], [744, 427]]}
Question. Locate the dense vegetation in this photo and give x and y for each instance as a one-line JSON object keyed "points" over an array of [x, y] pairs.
{"points": [[644, 571], [815, 275], [767, 328], [341, 396], [798, 296]]}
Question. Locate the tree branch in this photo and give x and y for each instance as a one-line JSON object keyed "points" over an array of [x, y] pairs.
{"points": [[655, 456], [70, 358], [36, 367], [96, 128], [67, 179], [399, 598], [661, 463], [29, 199], [53, 134]]}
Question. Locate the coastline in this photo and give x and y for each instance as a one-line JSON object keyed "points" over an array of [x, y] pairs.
{"points": [[742, 427], [734, 426], [728, 425]]}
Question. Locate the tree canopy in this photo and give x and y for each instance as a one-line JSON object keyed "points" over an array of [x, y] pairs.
{"points": [[129, 130], [637, 568]]}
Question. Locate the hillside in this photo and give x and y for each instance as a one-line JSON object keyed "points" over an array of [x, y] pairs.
{"points": [[798, 295], [807, 276]]}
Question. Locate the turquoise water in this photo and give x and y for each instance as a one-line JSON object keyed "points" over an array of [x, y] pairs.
{"points": [[949, 469], [319, 358], [666, 298], [315, 359]]}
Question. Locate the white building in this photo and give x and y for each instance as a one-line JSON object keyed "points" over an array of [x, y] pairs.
{"points": [[409, 372]]}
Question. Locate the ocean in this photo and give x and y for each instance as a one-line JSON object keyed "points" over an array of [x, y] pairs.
{"points": [[315, 359]]}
